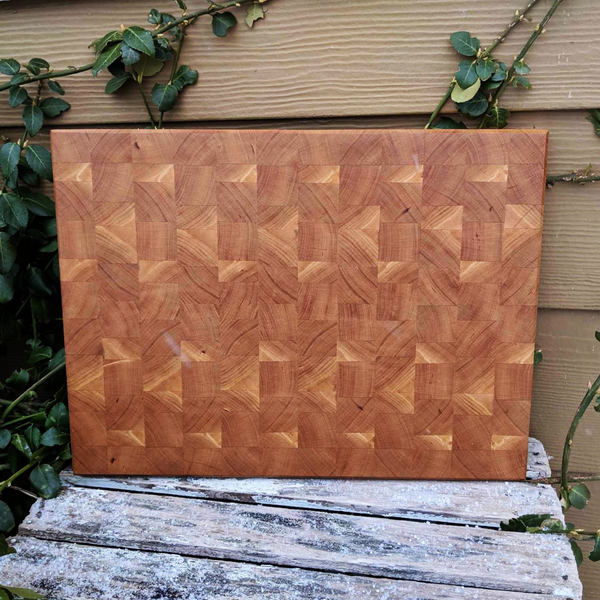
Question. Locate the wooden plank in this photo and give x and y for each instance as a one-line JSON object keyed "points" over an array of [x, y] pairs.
{"points": [[302, 62], [65, 571], [310, 539], [476, 503]]}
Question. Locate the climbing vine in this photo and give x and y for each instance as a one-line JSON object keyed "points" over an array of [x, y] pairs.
{"points": [[34, 434]]}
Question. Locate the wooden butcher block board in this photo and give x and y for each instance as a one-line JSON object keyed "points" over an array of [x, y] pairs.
{"points": [[356, 303]]}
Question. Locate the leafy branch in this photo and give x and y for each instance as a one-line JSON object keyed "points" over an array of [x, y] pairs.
{"points": [[518, 18], [34, 433]]}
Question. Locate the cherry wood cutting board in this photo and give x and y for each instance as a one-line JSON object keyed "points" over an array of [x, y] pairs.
{"points": [[356, 303]]}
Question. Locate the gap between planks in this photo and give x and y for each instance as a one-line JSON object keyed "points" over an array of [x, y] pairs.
{"points": [[473, 503]]}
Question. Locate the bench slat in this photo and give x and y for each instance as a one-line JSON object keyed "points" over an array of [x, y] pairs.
{"points": [[72, 572], [360, 545], [475, 503]]}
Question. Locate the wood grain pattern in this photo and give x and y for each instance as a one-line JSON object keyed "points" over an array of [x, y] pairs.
{"points": [[311, 539], [321, 321], [361, 70], [64, 571]]}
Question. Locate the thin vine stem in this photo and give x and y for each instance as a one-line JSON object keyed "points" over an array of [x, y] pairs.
{"points": [[539, 29], [34, 460], [25, 394], [585, 403], [146, 104], [519, 16], [186, 19], [173, 70], [572, 178]]}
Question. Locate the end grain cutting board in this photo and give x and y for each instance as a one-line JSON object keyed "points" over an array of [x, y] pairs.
{"points": [[355, 303]]}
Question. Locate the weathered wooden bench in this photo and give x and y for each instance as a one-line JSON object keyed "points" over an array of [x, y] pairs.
{"points": [[190, 538]]}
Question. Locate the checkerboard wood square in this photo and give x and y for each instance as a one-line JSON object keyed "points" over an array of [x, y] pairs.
{"points": [[300, 303]]}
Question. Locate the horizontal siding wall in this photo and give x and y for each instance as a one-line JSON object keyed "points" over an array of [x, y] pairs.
{"points": [[310, 58], [348, 64]]}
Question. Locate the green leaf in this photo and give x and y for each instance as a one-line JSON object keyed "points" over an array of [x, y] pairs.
{"points": [[38, 204], [5, 549], [522, 68], [597, 335], [45, 481], [9, 158], [466, 75], [19, 78], [56, 87], [4, 438], [40, 160], [253, 13], [33, 117], [117, 82], [42, 309], [485, 68], [36, 282], [181, 4], [594, 119], [184, 76], [58, 417], [53, 437], [7, 521], [55, 361], [39, 63], [490, 84], [524, 522], [20, 443], [594, 555], [13, 211], [7, 288], [448, 123], [147, 66], [154, 16], [38, 352], [9, 66], [48, 227], [522, 81], [500, 74], [140, 39], [129, 55], [18, 378], [111, 36], [17, 95], [52, 107], [164, 96], [465, 44], [8, 254], [474, 107], [106, 59], [51, 246], [459, 95], [24, 593], [579, 495], [223, 21], [577, 553], [497, 118], [33, 437], [538, 357]]}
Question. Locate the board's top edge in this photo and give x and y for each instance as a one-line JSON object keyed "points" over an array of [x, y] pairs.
{"points": [[309, 131]]}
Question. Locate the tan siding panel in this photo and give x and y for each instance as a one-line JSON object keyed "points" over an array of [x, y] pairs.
{"points": [[308, 60], [571, 359]]}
